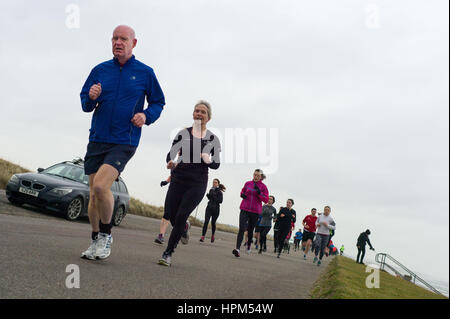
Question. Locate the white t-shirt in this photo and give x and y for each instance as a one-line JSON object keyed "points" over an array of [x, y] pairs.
{"points": [[323, 230]]}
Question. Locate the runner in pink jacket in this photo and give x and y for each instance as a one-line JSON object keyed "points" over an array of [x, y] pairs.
{"points": [[253, 194]]}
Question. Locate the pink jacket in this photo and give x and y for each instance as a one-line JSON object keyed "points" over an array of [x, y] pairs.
{"points": [[253, 202]]}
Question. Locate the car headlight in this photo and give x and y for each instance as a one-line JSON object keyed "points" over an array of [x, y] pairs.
{"points": [[61, 191], [14, 179]]}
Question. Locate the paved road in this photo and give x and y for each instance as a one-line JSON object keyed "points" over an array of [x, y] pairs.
{"points": [[36, 247]]}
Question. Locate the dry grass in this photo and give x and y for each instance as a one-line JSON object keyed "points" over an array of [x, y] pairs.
{"points": [[345, 279], [8, 169]]}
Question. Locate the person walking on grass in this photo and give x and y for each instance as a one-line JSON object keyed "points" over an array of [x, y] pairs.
{"points": [[115, 91], [199, 150], [253, 194], [215, 197], [286, 217], [267, 215], [324, 223], [309, 231], [342, 250], [361, 245]]}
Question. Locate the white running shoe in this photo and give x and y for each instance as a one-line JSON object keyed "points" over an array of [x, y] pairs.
{"points": [[103, 246], [248, 251], [90, 252]]}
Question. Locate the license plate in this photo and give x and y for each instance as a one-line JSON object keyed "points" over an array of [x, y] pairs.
{"points": [[28, 191]]}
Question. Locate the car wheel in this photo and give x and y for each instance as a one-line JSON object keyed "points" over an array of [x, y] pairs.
{"points": [[15, 201], [119, 215], [74, 209]]}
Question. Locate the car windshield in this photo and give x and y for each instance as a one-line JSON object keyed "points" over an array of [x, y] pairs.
{"points": [[71, 172]]}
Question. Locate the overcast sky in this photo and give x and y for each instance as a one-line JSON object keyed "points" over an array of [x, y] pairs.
{"points": [[356, 94]]}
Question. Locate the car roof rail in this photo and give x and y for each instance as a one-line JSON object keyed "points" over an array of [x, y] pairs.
{"points": [[78, 161]]}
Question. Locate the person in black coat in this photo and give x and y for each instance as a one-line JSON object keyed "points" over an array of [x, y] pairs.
{"points": [[215, 198], [285, 218], [361, 245]]}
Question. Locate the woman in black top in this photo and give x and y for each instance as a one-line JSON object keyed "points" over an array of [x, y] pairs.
{"points": [[198, 150], [215, 198], [285, 218]]}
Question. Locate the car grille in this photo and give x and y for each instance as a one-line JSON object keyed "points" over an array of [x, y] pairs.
{"points": [[35, 186], [38, 186], [26, 183]]}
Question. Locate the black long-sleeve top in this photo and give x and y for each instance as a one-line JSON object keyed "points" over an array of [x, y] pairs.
{"points": [[191, 168], [285, 221], [215, 197], [363, 239]]}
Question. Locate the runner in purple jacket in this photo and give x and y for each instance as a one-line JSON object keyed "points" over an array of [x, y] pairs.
{"points": [[253, 194]]}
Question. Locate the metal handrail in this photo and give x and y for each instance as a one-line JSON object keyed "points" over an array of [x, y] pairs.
{"points": [[381, 259]]}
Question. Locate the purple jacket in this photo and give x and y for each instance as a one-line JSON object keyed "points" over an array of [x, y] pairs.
{"points": [[253, 202]]}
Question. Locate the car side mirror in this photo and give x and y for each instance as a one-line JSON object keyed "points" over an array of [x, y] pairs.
{"points": [[40, 170]]}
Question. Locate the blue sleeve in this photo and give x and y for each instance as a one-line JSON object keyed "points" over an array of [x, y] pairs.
{"points": [[155, 100], [87, 104]]}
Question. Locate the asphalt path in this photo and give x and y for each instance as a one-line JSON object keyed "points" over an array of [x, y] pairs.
{"points": [[36, 248]]}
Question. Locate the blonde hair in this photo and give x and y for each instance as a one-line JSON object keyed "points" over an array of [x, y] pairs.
{"points": [[208, 107]]}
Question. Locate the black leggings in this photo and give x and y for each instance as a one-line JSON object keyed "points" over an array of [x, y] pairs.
{"points": [[263, 236], [181, 200], [275, 238], [247, 222], [282, 234], [214, 213]]}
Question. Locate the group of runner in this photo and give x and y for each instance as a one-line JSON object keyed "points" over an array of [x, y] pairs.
{"points": [[116, 91]]}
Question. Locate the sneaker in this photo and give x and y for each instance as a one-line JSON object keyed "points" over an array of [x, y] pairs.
{"points": [[319, 262], [103, 246], [265, 249], [248, 251], [315, 259], [256, 246], [304, 257], [260, 251], [165, 260], [212, 238], [185, 235], [90, 252], [236, 253], [278, 256], [159, 239], [202, 239]]}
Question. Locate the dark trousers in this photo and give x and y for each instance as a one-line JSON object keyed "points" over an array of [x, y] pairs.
{"points": [[181, 200], [361, 252], [211, 212], [247, 222], [282, 234], [263, 237], [296, 243]]}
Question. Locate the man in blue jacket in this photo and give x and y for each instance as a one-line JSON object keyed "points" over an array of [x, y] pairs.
{"points": [[116, 91]]}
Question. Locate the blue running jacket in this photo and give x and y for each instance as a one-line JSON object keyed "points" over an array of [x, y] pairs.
{"points": [[124, 89]]}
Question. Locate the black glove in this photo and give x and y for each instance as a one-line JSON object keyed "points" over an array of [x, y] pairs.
{"points": [[257, 188], [243, 196], [164, 183]]}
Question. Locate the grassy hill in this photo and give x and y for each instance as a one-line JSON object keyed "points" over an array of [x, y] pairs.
{"points": [[137, 207], [345, 279]]}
